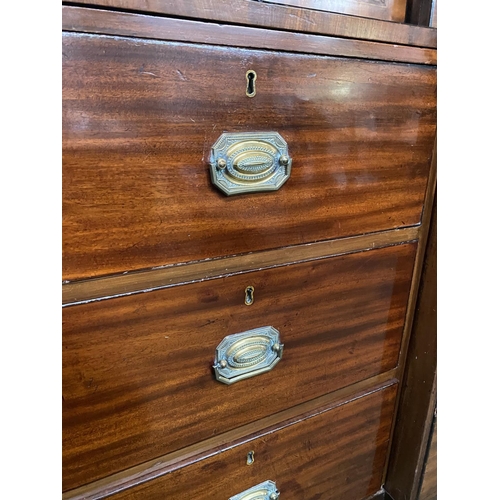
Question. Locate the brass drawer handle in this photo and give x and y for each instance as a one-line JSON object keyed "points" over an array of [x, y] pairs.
{"points": [[246, 354], [249, 161], [263, 491]]}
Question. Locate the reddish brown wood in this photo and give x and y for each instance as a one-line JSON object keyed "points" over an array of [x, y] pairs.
{"points": [[254, 13], [418, 392], [139, 118], [336, 455], [151, 279], [388, 10], [137, 374], [134, 25], [147, 471]]}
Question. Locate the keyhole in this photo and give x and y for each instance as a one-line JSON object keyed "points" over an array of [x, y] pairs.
{"points": [[251, 77], [250, 458], [249, 295]]}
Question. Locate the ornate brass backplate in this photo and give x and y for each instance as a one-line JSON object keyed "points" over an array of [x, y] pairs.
{"points": [[246, 354], [250, 161], [263, 491]]}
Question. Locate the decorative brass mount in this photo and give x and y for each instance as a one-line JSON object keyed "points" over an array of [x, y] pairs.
{"points": [[250, 161], [246, 354], [263, 491]]}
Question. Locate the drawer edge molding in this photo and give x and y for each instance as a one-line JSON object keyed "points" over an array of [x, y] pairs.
{"points": [[102, 288], [101, 22], [287, 18], [171, 462]]}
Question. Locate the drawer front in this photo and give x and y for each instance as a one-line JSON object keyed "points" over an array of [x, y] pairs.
{"points": [[140, 118], [138, 380], [387, 10], [337, 455]]}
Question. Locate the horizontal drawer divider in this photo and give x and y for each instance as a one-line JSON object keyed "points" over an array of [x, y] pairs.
{"points": [[102, 22], [173, 461], [80, 292], [286, 18]]}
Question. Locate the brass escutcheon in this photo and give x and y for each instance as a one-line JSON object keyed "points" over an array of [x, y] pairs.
{"points": [[251, 77], [249, 290]]}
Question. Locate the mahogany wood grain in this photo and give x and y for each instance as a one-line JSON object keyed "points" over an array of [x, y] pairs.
{"points": [[171, 462], [337, 455], [160, 28], [139, 119], [137, 374], [78, 292], [387, 10], [417, 272], [418, 393], [286, 18]]}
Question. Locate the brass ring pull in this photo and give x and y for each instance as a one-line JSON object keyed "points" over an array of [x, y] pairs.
{"points": [[263, 491], [250, 161], [246, 354]]}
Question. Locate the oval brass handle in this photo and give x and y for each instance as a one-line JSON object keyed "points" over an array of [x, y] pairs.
{"points": [[250, 161], [246, 354], [263, 491]]}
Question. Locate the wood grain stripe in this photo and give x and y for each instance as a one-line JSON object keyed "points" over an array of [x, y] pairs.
{"points": [[286, 18], [85, 20], [415, 284], [84, 291], [173, 461]]}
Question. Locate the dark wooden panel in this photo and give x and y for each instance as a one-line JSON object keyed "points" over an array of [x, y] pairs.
{"points": [[338, 455], [433, 20], [418, 391], [428, 490], [161, 28], [250, 12], [387, 10], [137, 371], [422, 12], [139, 118]]}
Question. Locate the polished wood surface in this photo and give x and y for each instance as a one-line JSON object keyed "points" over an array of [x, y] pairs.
{"points": [[286, 18], [137, 371], [140, 26], [125, 284], [139, 118], [336, 455], [428, 490], [418, 392], [417, 273], [165, 464], [388, 10]]}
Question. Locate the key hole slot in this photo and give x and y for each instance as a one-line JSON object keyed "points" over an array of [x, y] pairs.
{"points": [[249, 295], [251, 88], [250, 458]]}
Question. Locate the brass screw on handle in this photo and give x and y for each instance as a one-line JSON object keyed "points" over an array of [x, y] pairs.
{"points": [[284, 160], [221, 164]]}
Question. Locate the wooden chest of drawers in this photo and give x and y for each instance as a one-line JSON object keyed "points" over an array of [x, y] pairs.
{"points": [[172, 287]]}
